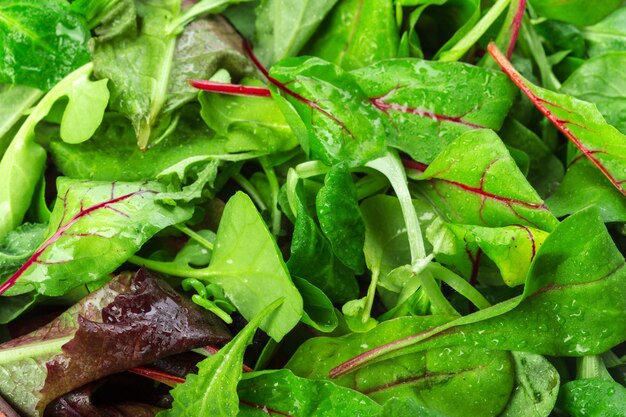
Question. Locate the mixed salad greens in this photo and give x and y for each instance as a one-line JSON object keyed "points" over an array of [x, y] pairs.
{"points": [[313, 208]]}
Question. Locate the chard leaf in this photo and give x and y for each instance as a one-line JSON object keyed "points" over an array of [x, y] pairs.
{"points": [[572, 303], [18, 245], [608, 35], [46, 35], [284, 26], [139, 68], [437, 378], [579, 121], [340, 218], [593, 397], [281, 392], [584, 186], [213, 391], [23, 162], [431, 103], [89, 219], [246, 262], [600, 81], [111, 325], [536, 387], [476, 181], [355, 34], [342, 126], [577, 12]]}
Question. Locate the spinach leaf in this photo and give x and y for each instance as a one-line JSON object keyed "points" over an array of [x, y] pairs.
{"points": [[88, 220], [476, 181], [213, 391], [608, 35], [536, 387], [14, 101], [46, 35], [579, 121], [197, 9], [584, 186], [281, 392], [599, 81], [431, 103], [284, 26], [319, 311], [356, 34], [340, 218], [593, 397], [578, 12], [23, 163], [112, 325], [400, 407]]}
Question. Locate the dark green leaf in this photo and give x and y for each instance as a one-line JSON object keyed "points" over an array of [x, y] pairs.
{"points": [[593, 398], [578, 12], [397, 407], [319, 311], [608, 35]]}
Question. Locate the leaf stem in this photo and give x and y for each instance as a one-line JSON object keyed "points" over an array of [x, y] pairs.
{"points": [[171, 268], [23, 352], [195, 236], [592, 367], [250, 190], [231, 89], [460, 285], [276, 214]]}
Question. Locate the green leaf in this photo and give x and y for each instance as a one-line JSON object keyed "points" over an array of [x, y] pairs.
{"points": [[108, 18], [18, 245], [47, 36], [608, 35], [400, 407], [213, 391], [246, 262], [284, 26], [139, 68], [593, 397], [600, 81], [577, 12], [431, 103], [319, 311], [579, 121], [340, 218], [91, 219], [197, 9], [476, 181], [281, 392], [14, 101], [536, 387], [354, 35], [458, 381], [23, 163]]}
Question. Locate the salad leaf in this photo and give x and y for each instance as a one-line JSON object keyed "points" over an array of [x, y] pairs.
{"points": [[113, 325], [89, 219], [281, 392], [14, 102], [608, 35], [46, 35], [319, 311], [108, 18], [397, 407], [578, 12], [18, 245], [593, 397], [284, 26], [213, 391]]}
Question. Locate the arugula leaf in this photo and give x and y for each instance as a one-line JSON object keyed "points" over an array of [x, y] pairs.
{"points": [[284, 26], [89, 219], [593, 397], [213, 391], [46, 35], [112, 325], [578, 12], [579, 121], [355, 34], [281, 392], [431, 103], [476, 181], [23, 163], [608, 35]]}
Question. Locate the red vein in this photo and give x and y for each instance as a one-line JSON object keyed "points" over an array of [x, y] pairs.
{"points": [[159, 376], [381, 104], [560, 124], [60, 232], [515, 26], [232, 89], [417, 379], [532, 240]]}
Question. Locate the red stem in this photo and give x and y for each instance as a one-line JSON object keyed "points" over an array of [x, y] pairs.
{"points": [[159, 376], [414, 165], [232, 89], [515, 26]]}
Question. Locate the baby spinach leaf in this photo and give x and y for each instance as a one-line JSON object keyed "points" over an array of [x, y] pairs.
{"points": [[578, 12], [600, 81], [608, 35], [431, 103], [356, 34], [584, 186], [476, 181], [593, 397], [88, 220], [213, 391], [579, 121], [536, 387], [112, 325], [46, 35], [319, 311], [284, 26], [246, 262], [400, 407], [340, 218], [139, 68], [572, 303], [282, 393], [23, 163], [432, 378]]}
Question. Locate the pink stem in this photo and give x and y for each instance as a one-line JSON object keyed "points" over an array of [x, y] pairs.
{"points": [[232, 89], [515, 26], [159, 376]]}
